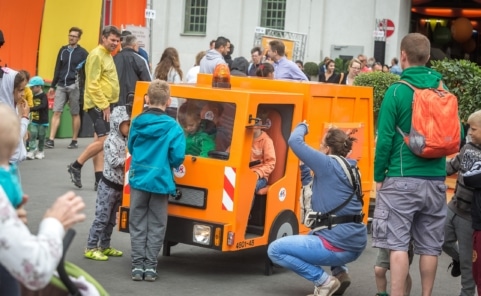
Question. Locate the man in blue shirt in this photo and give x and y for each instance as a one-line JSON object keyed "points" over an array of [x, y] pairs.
{"points": [[395, 68], [283, 68]]}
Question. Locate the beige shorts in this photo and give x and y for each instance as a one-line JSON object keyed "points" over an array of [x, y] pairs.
{"points": [[69, 93]]}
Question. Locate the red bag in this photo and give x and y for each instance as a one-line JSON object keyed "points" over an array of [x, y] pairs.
{"points": [[435, 129]]}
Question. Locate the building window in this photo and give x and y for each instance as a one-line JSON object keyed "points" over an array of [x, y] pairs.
{"points": [[195, 16], [273, 14]]}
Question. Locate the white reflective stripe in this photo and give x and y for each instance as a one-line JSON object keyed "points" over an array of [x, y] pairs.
{"points": [[230, 174], [227, 201]]}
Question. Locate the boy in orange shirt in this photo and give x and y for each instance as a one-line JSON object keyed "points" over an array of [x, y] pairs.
{"points": [[263, 157]]}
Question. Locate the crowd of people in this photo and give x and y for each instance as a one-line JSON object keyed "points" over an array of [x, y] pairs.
{"points": [[411, 215]]}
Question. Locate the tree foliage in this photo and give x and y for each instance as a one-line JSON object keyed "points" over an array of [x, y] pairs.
{"points": [[463, 78]]}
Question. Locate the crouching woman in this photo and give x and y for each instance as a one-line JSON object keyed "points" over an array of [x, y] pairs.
{"points": [[336, 240]]}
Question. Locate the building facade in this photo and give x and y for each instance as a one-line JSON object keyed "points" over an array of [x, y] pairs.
{"points": [[333, 28]]}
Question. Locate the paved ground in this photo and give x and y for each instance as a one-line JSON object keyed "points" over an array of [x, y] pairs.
{"points": [[190, 270]]}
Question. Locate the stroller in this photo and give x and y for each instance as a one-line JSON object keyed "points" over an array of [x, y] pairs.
{"points": [[71, 280]]}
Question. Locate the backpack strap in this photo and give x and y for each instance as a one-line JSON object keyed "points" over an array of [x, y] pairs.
{"points": [[403, 134], [344, 165], [406, 83]]}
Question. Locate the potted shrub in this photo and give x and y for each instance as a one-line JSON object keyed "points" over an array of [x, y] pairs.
{"points": [[463, 78], [380, 82], [311, 69]]}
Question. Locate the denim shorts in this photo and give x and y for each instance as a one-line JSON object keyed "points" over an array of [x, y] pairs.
{"points": [[408, 207]]}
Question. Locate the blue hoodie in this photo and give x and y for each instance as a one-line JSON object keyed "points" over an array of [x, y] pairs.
{"points": [[157, 144], [331, 188]]}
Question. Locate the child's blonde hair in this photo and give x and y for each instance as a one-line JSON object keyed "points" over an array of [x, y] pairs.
{"points": [[158, 92], [9, 132], [475, 118]]}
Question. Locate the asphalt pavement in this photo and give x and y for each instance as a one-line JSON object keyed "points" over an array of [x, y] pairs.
{"points": [[189, 270]]}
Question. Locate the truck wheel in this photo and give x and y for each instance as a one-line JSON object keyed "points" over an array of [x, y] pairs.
{"points": [[166, 247], [285, 224]]}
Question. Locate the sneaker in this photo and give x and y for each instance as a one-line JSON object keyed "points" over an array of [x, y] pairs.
{"points": [[73, 145], [345, 280], [49, 143], [137, 274], [382, 294], [74, 175], [328, 289], [112, 252], [40, 155], [150, 275], [31, 155], [95, 254], [455, 268]]}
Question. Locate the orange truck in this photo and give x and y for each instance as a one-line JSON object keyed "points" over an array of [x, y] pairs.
{"points": [[214, 206]]}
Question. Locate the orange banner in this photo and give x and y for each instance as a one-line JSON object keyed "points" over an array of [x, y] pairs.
{"points": [[20, 23]]}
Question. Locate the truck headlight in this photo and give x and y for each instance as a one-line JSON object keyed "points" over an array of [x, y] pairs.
{"points": [[202, 234]]}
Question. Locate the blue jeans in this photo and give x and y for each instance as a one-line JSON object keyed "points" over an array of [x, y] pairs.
{"points": [[261, 183], [305, 254]]}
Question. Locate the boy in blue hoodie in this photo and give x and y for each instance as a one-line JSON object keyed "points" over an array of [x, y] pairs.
{"points": [[157, 145]]}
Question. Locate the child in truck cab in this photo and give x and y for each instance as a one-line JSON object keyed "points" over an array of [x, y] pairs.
{"points": [[199, 133], [341, 237], [263, 157]]}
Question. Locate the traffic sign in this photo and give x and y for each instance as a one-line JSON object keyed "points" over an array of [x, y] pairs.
{"points": [[388, 26]]}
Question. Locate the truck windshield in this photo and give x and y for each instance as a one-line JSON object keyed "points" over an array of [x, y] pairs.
{"points": [[207, 126]]}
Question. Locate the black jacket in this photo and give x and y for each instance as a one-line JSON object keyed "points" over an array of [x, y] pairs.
{"points": [[67, 62], [39, 111], [131, 67]]}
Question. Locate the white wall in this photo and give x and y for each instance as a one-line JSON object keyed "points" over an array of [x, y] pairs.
{"points": [[327, 22]]}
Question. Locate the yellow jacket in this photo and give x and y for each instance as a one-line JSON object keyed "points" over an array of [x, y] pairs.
{"points": [[29, 96], [101, 81]]}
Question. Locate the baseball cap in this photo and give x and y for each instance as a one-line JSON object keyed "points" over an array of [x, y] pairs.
{"points": [[36, 81]]}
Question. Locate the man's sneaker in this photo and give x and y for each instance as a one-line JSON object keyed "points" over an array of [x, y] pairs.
{"points": [[95, 254], [150, 275], [112, 252], [40, 155], [73, 145], [327, 289], [137, 274], [31, 155], [49, 143], [345, 281], [75, 175], [455, 268]]}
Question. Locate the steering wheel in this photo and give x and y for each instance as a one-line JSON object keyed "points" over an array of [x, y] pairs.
{"points": [[218, 154]]}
